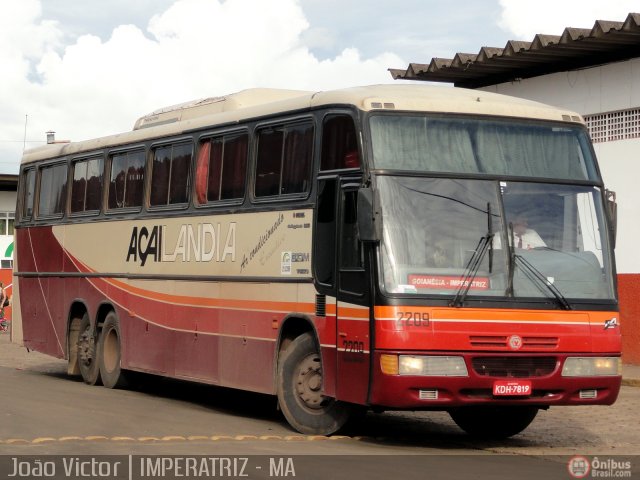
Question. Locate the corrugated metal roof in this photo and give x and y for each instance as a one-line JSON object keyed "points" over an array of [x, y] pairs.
{"points": [[576, 48]]}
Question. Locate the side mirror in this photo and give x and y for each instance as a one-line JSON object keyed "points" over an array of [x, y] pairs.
{"points": [[612, 211], [369, 218]]}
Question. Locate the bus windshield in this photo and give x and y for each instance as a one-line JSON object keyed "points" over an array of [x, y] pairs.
{"points": [[542, 238], [422, 143]]}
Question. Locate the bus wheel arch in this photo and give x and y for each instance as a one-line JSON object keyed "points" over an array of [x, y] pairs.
{"points": [[299, 389], [110, 348], [292, 327]]}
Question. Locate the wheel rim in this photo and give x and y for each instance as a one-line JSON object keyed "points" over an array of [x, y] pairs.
{"points": [[110, 353], [308, 384]]}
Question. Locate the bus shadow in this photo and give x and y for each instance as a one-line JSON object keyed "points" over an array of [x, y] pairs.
{"points": [[212, 397], [427, 429]]}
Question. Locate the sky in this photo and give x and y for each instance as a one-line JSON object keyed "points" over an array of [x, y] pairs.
{"points": [[90, 68]]}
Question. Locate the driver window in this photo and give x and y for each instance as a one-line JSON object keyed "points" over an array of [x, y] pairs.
{"points": [[339, 143]]}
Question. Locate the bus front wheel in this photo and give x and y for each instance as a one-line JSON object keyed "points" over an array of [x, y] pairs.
{"points": [[299, 388], [110, 353], [87, 352], [493, 422]]}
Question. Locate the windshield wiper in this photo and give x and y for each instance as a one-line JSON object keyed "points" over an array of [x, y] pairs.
{"points": [[471, 270], [512, 261], [532, 273], [536, 276]]}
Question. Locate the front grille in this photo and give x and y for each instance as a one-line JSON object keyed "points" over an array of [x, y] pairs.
{"points": [[501, 341], [514, 367], [488, 341]]}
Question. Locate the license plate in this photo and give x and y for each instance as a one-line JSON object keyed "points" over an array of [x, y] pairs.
{"points": [[512, 388]]}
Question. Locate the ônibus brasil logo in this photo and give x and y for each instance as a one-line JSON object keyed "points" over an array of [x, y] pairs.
{"points": [[579, 467]]}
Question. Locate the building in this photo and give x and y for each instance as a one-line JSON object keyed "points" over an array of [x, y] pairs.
{"points": [[8, 196], [595, 72]]}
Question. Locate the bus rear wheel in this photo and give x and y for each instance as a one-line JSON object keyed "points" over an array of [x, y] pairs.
{"points": [[299, 390], [494, 422], [87, 352], [110, 353]]}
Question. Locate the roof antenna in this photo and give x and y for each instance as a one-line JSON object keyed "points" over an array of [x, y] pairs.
{"points": [[24, 140]]}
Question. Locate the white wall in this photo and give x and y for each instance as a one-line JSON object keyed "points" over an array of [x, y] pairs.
{"points": [[620, 165], [590, 91], [8, 201], [615, 86]]}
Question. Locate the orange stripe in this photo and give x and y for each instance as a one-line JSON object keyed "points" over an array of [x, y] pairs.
{"points": [[495, 315]]}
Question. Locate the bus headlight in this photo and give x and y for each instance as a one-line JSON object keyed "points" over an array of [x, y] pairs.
{"points": [[431, 366], [591, 366]]}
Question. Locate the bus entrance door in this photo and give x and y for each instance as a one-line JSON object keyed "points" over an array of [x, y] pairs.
{"points": [[352, 315]]}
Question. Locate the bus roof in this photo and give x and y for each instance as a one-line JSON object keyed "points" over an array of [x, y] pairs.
{"points": [[255, 103]]}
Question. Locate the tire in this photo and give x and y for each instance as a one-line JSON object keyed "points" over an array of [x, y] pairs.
{"points": [[494, 423], [299, 389], [87, 352], [110, 353], [73, 365]]}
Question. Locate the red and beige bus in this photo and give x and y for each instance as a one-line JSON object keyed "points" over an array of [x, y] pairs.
{"points": [[400, 247]]}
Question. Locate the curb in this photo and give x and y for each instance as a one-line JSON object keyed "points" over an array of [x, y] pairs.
{"points": [[631, 382]]}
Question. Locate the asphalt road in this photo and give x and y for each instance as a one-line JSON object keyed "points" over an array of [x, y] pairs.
{"points": [[44, 412]]}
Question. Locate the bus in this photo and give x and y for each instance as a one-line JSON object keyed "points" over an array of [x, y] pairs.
{"points": [[343, 251]]}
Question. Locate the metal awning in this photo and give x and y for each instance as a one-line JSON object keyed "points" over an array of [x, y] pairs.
{"points": [[576, 48]]}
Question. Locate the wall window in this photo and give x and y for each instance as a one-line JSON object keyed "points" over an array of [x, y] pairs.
{"points": [[222, 168], [53, 190], [284, 160], [170, 174], [127, 179], [6, 223], [339, 143], [28, 193], [86, 189]]}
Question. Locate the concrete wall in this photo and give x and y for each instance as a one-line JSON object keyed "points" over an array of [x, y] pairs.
{"points": [[603, 89], [8, 201], [615, 86]]}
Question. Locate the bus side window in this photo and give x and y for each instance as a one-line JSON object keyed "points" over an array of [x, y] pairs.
{"points": [[296, 161], [269, 162], [53, 190], [339, 143], [234, 167], [221, 168], [29, 193], [170, 174], [86, 188], [127, 180], [284, 160], [202, 171]]}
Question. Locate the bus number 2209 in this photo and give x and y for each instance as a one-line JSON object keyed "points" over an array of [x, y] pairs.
{"points": [[353, 346], [412, 319]]}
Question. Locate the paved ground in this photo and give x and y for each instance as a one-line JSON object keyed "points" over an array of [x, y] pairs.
{"points": [[594, 430]]}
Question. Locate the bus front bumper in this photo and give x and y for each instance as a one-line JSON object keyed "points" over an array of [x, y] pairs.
{"points": [[495, 379]]}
